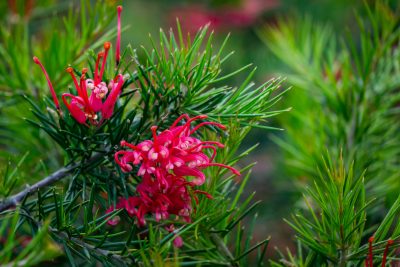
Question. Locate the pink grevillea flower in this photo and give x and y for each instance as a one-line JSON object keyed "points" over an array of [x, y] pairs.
{"points": [[165, 164], [100, 102], [97, 105], [154, 199], [173, 151], [161, 203], [369, 261]]}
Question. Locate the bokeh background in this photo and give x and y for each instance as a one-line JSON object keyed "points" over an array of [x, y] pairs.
{"points": [[243, 20]]}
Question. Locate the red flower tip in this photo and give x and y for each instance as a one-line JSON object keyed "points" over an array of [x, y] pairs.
{"points": [[118, 44], [84, 71], [107, 45], [69, 70], [371, 239], [178, 242], [36, 60], [386, 252], [53, 93]]}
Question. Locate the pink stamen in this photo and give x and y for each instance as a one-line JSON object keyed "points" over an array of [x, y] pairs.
{"points": [[84, 94], [154, 131], [118, 45], [181, 117], [187, 124], [370, 253], [219, 125], [218, 144], [233, 170], [214, 151], [107, 46], [385, 253], [118, 161], [71, 72], [96, 68], [53, 93], [124, 143], [203, 193]]}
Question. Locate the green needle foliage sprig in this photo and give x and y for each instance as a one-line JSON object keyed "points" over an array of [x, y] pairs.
{"points": [[332, 227], [63, 30], [345, 96], [177, 76], [345, 102]]}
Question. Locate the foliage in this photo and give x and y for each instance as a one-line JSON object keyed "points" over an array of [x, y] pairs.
{"points": [[63, 31], [180, 75], [345, 102]]}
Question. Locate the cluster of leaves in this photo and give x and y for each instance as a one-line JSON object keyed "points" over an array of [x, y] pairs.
{"points": [[335, 226], [180, 75], [345, 101]]}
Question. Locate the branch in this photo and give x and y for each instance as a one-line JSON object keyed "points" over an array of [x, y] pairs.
{"points": [[52, 178]]}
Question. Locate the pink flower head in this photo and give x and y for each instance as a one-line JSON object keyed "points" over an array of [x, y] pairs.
{"points": [[173, 151], [165, 164], [102, 97], [97, 105]]}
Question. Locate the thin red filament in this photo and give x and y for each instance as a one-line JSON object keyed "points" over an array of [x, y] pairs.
{"points": [[370, 253], [53, 93], [96, 68], [107, 46], [71, 72], [118, 45], [385, 253], [233, 170]]}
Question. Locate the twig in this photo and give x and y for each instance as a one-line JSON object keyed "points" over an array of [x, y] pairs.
{"points": [[54, 177]]}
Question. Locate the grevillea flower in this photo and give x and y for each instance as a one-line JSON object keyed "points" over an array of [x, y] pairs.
{"points": [[369, 262], [171, 167], [98, 105], [174, 151]]}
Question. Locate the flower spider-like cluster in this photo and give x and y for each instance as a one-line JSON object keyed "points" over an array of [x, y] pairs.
{"points": [[171, 167], [99, 104]]}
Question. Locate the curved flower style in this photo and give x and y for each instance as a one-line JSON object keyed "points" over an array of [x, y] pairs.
{"points": [[369, 261], [99, 106], [165, 164]]}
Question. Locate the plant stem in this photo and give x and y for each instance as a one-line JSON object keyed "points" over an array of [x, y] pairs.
{"points": [[52, 178]]}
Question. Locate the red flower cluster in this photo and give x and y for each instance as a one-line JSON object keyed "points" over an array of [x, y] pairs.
{"points": [[165, 163], [100, 104]]}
